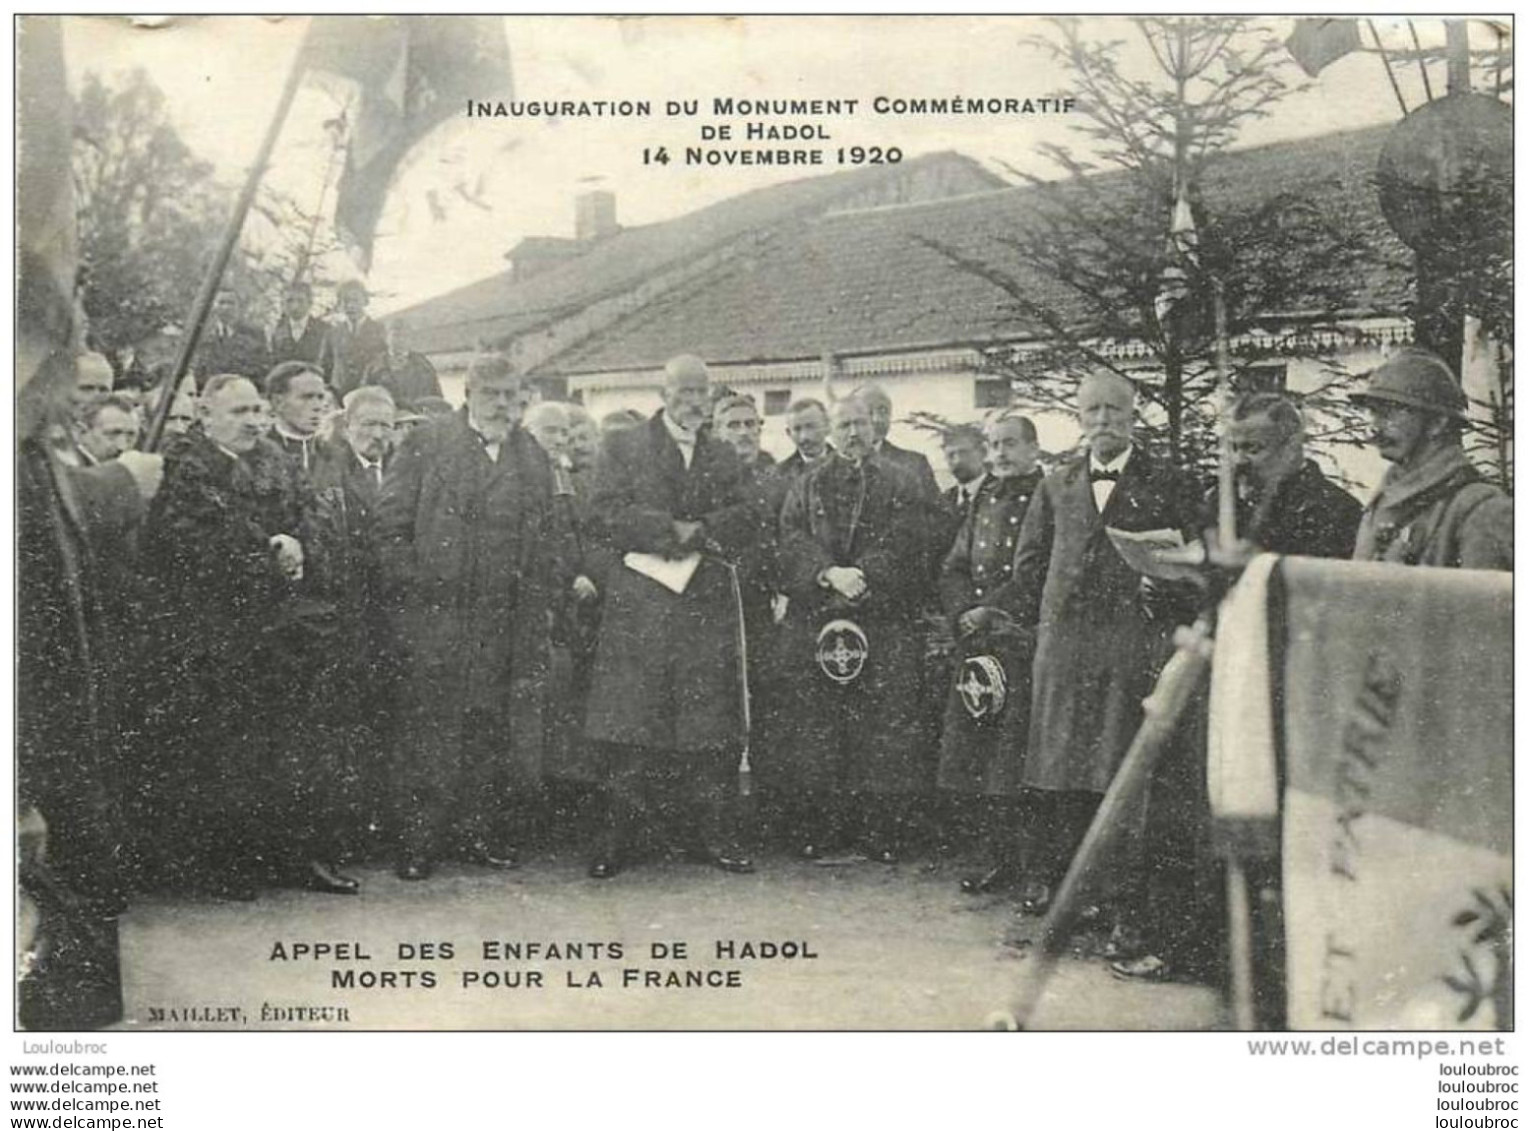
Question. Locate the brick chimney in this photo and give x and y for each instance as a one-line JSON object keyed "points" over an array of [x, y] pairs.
{"points": [[594, 215]]}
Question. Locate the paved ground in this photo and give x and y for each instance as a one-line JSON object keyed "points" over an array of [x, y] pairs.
{"points": [[896, 948]]}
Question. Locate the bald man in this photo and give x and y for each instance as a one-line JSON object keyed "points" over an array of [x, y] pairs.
{"points": [[664, 700], [547, 422], [878, 401], [1102, 627]]}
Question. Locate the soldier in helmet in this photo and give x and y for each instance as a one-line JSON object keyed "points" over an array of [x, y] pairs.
{"points": [[1433, 507], [852, 564]]}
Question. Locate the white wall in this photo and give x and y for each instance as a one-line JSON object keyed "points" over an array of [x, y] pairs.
{"points": [[947, 390]]}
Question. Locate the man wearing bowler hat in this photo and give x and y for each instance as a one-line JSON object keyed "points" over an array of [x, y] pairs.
{"points": [[1433, 507]]}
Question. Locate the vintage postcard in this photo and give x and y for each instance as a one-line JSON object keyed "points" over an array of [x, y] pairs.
{"points": [[604, 523]]}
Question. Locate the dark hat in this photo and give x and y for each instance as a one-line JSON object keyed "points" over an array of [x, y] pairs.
{"points": [[1418, 379]]}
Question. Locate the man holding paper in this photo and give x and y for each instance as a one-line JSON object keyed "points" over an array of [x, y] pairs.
{"points": [[674, 506], [1103, 626]]}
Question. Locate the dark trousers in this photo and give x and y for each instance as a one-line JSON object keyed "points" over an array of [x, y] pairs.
{"points": [[684, 795], [459, 795], [839, 818], [1050, 826]]}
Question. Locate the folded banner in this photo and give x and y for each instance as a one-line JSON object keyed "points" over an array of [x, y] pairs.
{"points": [[1391, 705]]}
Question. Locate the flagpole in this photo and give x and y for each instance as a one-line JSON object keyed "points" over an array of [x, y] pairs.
{"points": [[1227, 469], [1389, 70], [1421, 62], [214, 277]]}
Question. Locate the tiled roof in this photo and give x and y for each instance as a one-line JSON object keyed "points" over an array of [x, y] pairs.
{"points": [[860, 282], [502, 306]]}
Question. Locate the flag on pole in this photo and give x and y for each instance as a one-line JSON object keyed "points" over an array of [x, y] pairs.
{"points": [[407, 75], [1366, 711], [48, 322], [1182, 256], [1317, 43]]}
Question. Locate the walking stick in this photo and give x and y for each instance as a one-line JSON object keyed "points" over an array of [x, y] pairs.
{"points": [[744, 767], [1169, 699]]}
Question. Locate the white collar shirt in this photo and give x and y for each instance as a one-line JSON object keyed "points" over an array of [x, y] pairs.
{"points": [[1103, 489], [683, 437]]}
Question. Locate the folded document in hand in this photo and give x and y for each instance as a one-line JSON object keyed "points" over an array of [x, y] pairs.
{"points": [[1158, 553], [672, 573]]}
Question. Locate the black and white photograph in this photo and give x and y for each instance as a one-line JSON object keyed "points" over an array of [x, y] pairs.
{"points": [[765, 523]]}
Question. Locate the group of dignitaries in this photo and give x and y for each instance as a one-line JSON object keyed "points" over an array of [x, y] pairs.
{"points": [[460, 642]]}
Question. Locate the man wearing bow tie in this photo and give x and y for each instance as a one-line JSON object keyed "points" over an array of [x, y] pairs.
{"points": [[1103, 628]]}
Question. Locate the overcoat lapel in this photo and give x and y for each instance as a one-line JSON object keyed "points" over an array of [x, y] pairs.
{"points": [[1124, 501]]}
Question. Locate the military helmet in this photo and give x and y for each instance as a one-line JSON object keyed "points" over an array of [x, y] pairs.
{"points": [[1418, 379]]}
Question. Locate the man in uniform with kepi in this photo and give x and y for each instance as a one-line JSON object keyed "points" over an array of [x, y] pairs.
{"points": [[674, 507], [852, 744], [986, 721]]}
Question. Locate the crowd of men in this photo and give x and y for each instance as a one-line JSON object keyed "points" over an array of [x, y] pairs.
{"points": [[349, 631]]}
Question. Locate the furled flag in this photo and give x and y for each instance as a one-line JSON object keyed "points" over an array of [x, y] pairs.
{"points": [[1360, 727], [1317, 43], [1182, 255], [48, 321], [412, 73]]}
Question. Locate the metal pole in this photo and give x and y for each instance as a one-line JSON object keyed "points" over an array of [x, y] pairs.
{"points": [[1239, 908], [1226, 533], [1421, 62], [1169, 699], [335, 152], [1389, 70], [214, 277], [1458, 55]]}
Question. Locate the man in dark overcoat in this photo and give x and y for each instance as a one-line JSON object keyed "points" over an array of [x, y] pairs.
{"points": [[915, 464], [69, 789], [853, 741], [808, 430], [362, 671], [665, 693], [227, 546], [1104, 629], [407, 375], [355, 339], [467, 539], [297, 335], [229, 344], [1284, 504], [986, 720]]}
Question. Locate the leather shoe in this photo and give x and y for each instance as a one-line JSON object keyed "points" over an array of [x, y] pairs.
{"points": [[1035, 898], [414, 868], [990, 880], [603, 869], [322, 878], [739, 865], [1145, 968], [505, 858], [1125, 943]]}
